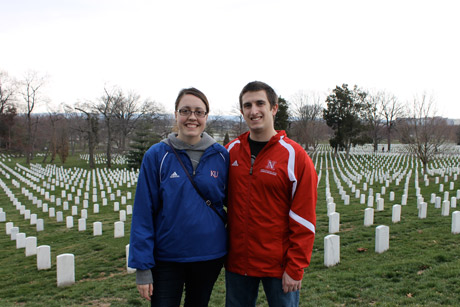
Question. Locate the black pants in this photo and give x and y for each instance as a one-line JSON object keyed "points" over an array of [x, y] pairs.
{"points": [[169, 279]]}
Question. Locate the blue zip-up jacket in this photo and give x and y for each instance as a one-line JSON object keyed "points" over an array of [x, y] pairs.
{"points": [[170, 221]]}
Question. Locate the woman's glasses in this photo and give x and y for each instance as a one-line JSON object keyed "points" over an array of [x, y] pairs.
{"points": [[187, 112]]}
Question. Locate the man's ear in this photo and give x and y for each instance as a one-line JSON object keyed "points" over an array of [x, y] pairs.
{"points": [[275, 109]]}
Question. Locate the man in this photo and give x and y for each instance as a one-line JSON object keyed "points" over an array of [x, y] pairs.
{"points": [[271, 207]]}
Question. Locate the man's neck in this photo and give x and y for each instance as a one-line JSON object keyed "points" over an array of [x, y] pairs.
{"points": [[260, 136]]}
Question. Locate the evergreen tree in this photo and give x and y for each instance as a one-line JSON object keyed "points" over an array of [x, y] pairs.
{"points": [[143, 139], [282, 116], [226, 139], [344, 114]]}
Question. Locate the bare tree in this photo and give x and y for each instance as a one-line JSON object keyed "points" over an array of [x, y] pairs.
{"points": [[374, 117], [129, 111], [31, 88], [392, 109], [308, 127], [91, 130], [107, 107], [240, 127], [53, 118], [427, 132]]}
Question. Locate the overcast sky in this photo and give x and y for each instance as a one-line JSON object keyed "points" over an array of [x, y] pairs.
{"points": [[157, 48]]}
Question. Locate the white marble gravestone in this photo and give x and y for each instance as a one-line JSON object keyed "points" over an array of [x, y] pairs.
{"points": [[65, 270], [128, 269], [97, 229], [334, 222], [43, 257], [368, 216], [396, 214], [456, 222], [382, 239], [119, 229], [331, 250]]}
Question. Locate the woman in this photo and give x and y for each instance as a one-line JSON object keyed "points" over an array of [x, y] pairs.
{"points": [[176, 238]]}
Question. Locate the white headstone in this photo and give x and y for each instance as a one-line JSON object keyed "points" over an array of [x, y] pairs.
{"points": [[370, 201], [116, 206], [59, 216], [453, 202], [33, 219], [52, 212], [119, 230], [13, 232], [8, 227], [65, 270], [81, 224], [330, 208], [396, 214], [437, 202], [368, 216], [84, 213], [331, 250], [380, 204], [40, 225], [445, 208], [2, 216], [382, 239], [97, 229], [69, 221], [129, 209], [31, 246], [122, 215], [128, 269], [334, 221], [446, 195], [456, 222], [20, 240], [96, 208], [43, 257], [392, 196], [422, 210]]}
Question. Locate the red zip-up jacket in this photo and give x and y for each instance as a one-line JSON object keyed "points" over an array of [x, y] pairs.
{"points": [[271, 208]]}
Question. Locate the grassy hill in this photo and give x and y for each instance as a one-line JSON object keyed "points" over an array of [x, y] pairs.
{"points": [[421, 267]]}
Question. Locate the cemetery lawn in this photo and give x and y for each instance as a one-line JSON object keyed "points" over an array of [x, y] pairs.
{"points": [[420, 268]]}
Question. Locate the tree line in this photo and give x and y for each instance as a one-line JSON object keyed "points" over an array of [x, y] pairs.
{"points": [[121, 121]]}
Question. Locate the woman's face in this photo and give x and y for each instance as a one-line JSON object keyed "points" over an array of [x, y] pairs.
{"points": [[190, 126]]}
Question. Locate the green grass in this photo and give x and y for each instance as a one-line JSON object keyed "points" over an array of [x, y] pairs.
{"points": [[421, 267]]}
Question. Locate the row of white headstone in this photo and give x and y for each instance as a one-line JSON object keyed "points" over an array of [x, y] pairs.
{"points": [[65, 265], [59, 215], [332, 242], [332, 245]]}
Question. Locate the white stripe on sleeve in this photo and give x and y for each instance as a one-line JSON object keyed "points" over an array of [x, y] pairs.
{"points": [[302, 221]]}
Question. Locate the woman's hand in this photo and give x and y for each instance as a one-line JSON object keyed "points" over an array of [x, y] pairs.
{"points": [[145, 291]]}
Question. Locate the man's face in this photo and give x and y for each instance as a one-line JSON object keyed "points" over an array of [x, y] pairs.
{"points": [[257, 112]]}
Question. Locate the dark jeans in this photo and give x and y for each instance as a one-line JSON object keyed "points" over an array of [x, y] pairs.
{"points": [[242, 291], [169, 279]]}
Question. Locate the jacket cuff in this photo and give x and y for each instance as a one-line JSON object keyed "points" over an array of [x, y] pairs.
{"points": [[144, 277], [296, 274]]}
